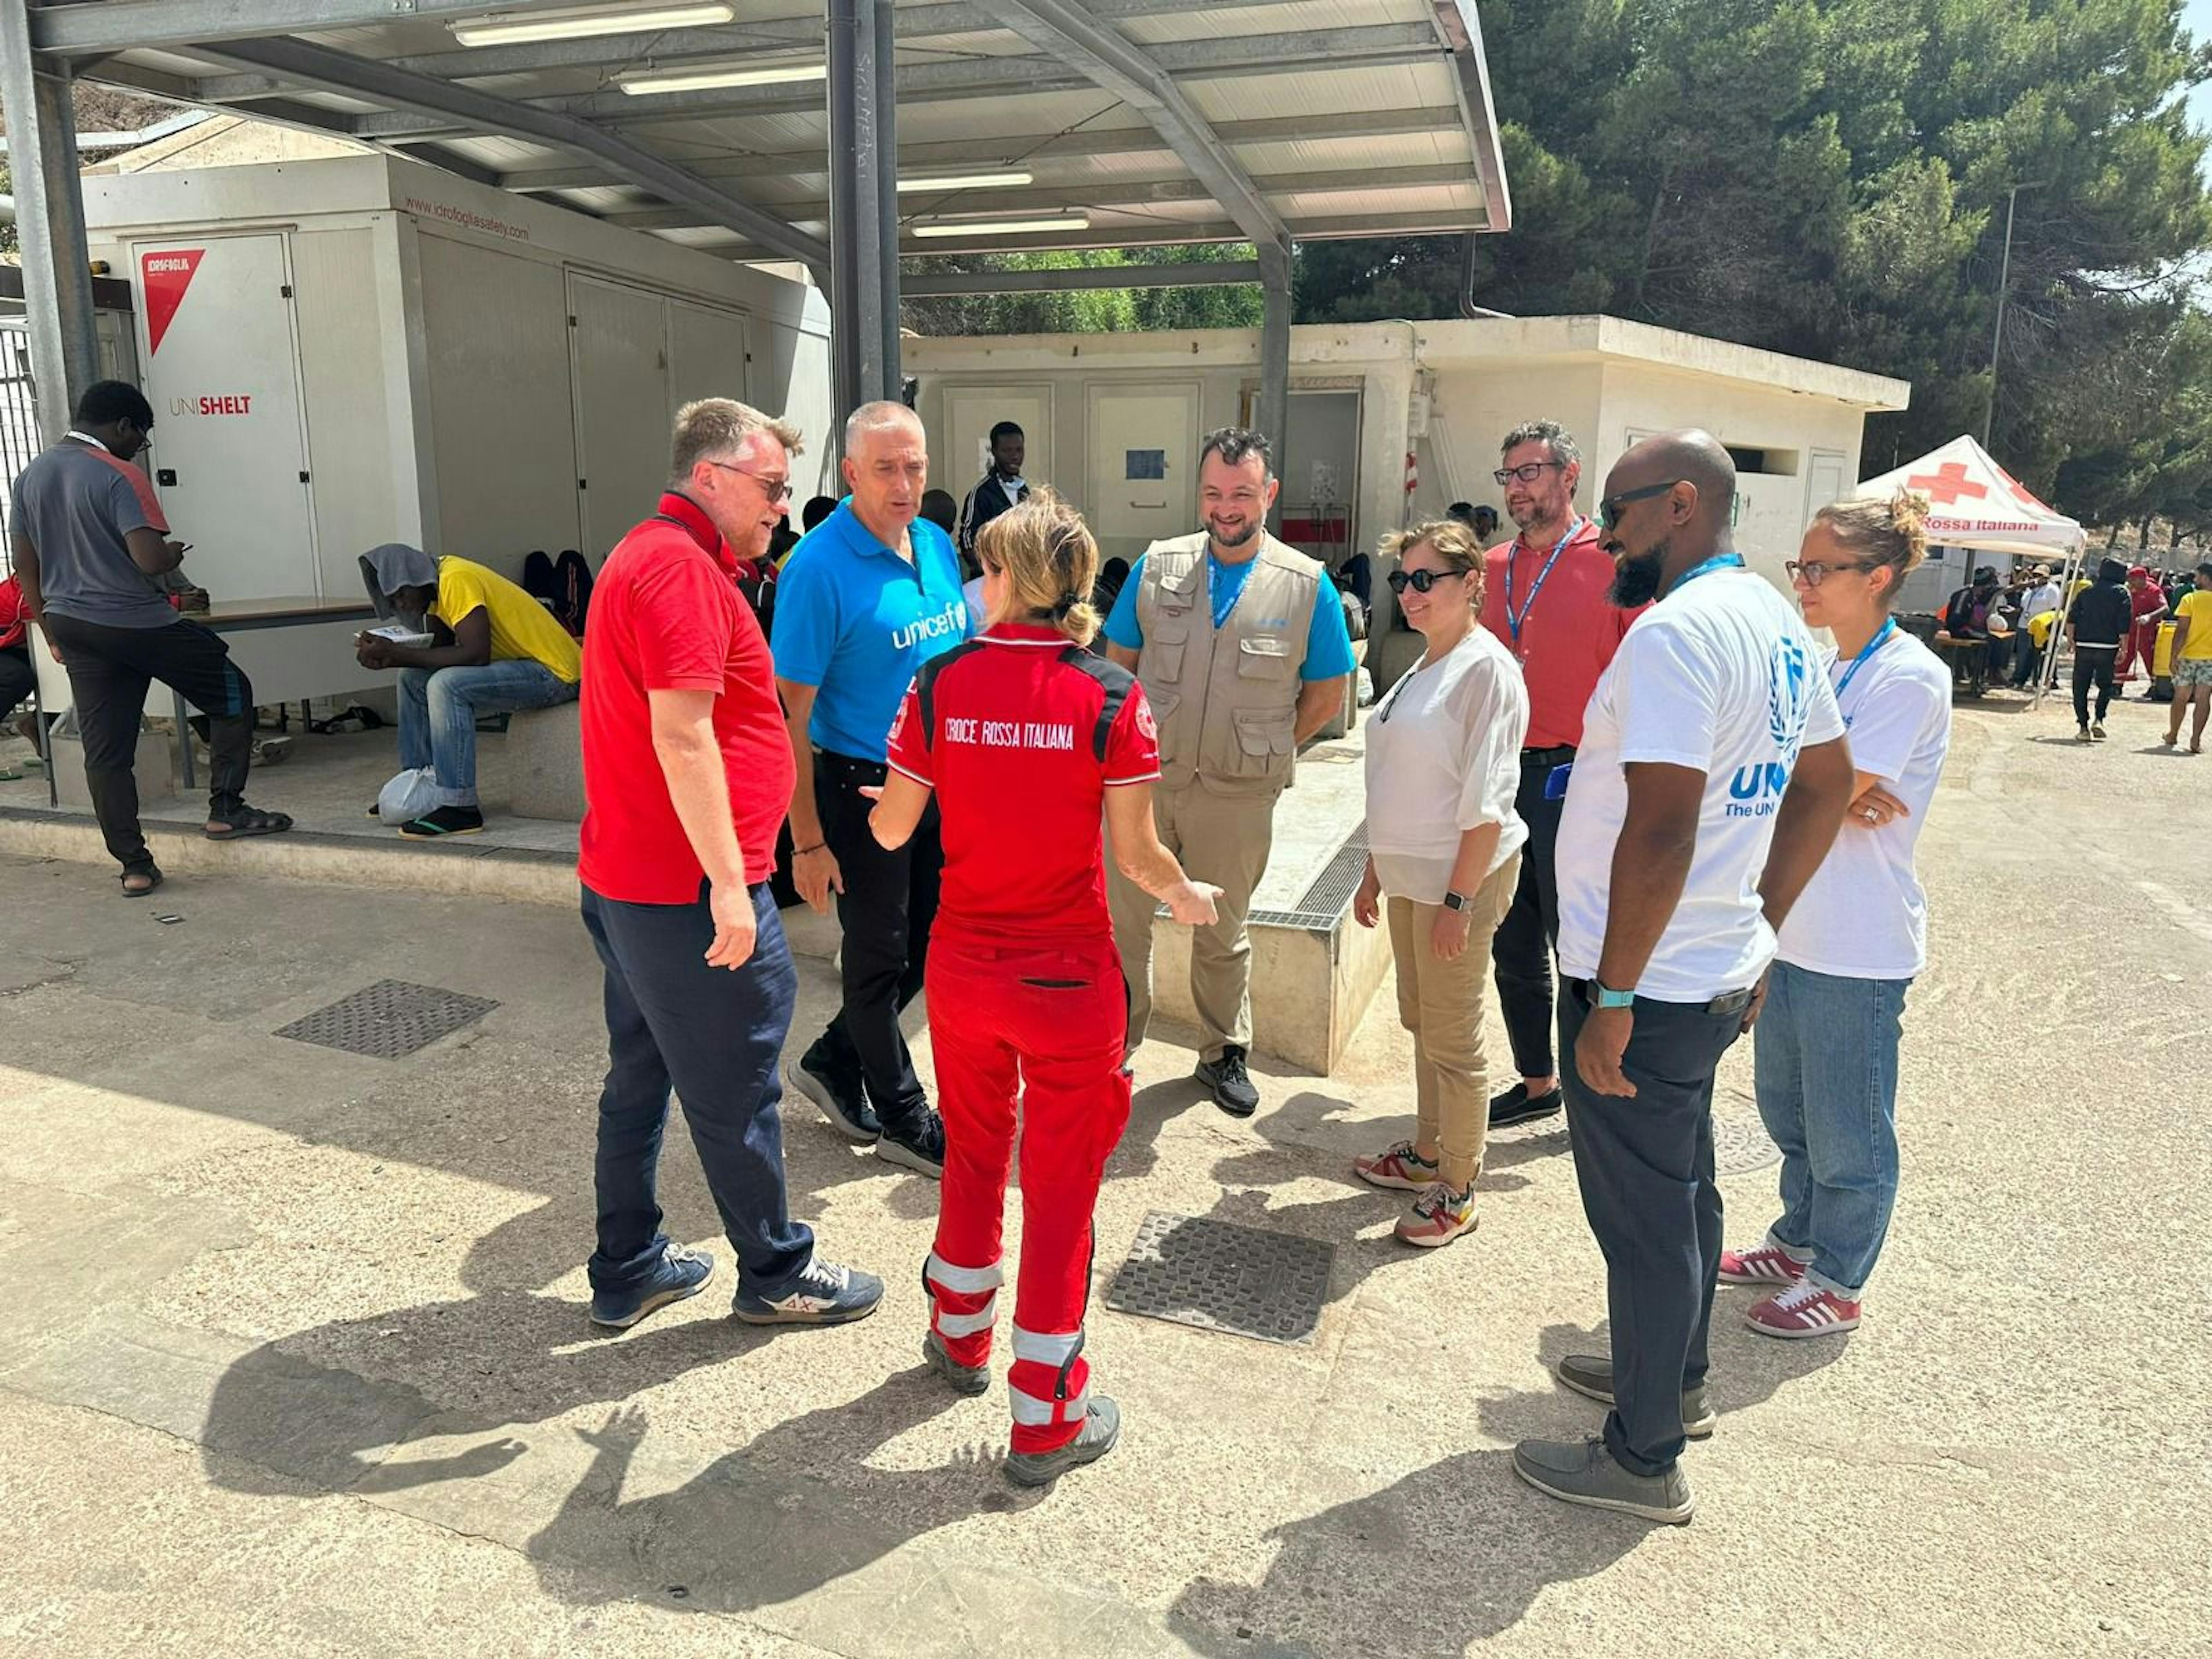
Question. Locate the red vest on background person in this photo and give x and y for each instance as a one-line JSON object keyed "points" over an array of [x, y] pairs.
{"points": [[666, 615], [1568, 628], [11, 612]]}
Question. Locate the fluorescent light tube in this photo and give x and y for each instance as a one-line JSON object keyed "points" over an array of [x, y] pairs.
{"points": [[727, 75], [579, 22], [965, 181], [1002, 227]]}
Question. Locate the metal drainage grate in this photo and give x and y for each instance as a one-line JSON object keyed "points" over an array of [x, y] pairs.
{"points": [[1741, 1144], [1220, 1277], [1325, 900], [389, 1020]]}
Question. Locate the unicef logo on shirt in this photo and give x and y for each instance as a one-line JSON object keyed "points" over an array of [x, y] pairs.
{"points": [[1756, 789], [1786, 698]]}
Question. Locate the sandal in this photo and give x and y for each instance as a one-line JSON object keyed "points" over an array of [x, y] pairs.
{"points": [[242, 820], [152, 879]]}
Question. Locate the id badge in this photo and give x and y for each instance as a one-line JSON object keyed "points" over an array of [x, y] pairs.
{"points": [[1555, 781]]}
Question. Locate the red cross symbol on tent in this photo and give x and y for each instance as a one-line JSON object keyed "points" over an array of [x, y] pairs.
{"points": [[1946, 484]]}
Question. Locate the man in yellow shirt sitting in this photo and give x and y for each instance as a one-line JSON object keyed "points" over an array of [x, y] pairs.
{"points": [[2192, 662], [494, 649]]}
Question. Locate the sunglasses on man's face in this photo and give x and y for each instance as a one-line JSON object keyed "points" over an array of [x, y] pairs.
{"points": [[1419, 581], [1608, 510]]}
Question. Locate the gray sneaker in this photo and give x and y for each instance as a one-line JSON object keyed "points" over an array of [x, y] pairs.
{"points": [[1102, 1427], [1590, 1375], [1584, 1472], [964, 1379]]}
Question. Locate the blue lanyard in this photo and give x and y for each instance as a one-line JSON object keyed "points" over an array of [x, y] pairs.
{"points": [[1859, 661], [1513, 622], [1705, 568]]}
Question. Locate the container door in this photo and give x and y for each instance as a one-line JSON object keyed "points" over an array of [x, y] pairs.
{"points": [[618, 341], [229, 458], [1824, 480], [1144, 465], [970, 412], [706, 355]]}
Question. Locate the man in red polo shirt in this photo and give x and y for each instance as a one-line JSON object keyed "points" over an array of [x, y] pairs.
{"points": [[687, 775], [1544, 596]]}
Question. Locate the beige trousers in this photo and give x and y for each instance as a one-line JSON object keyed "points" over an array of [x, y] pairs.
{"points": [[1441, 1004], [1219, 839]]}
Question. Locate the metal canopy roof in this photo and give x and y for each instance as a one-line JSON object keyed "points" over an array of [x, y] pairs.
{"points": [[1157, 121]]}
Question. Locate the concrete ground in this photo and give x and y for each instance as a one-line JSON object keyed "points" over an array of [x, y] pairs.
{"points": [[298, 1363]]}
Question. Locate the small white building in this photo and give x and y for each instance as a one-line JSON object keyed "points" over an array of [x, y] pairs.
{"points": [[1391, 422]]}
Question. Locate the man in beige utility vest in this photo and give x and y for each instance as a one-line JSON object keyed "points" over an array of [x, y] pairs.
{"points": [[1240, 644]]}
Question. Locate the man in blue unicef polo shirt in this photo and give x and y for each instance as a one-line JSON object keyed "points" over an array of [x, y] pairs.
{"points": [[867, 597]]}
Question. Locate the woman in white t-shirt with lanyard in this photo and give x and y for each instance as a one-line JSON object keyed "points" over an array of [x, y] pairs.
{"points": [[1443, 764], [1825, 1055]]}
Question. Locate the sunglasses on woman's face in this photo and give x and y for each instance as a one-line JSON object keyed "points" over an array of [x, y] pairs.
{"points": [[1813, 572], [1419, 581]]}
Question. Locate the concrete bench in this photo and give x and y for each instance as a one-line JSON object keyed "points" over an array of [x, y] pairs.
{"points": [[545, 763]]}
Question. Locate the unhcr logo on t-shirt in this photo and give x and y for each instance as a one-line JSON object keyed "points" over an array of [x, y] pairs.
{"points": [[1756, 788], [954, 619]]}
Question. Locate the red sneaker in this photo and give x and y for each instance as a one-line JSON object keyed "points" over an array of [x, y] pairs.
{"points": [[1767, 1265], [1803, 1309]]}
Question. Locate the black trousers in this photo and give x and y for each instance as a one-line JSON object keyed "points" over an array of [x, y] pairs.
{"points": [[1522, 949], [2092, 667], [18, 678], [110, 670], [1645, 1163], [888, 906]]}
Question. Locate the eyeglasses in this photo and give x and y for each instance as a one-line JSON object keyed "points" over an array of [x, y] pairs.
{"points": [[1419, 581], [776, 489], [1608, 510], [1813, 572], [1528, 471]]}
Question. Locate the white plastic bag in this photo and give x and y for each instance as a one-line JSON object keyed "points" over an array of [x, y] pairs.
{"points": [[408, 796]]}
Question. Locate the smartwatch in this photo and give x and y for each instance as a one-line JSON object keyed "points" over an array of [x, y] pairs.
{"points": [[1456, 901], [1603, 996]]}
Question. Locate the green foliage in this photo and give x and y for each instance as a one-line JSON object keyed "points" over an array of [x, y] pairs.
{"points": [[1828, 177], [1095, 311]]}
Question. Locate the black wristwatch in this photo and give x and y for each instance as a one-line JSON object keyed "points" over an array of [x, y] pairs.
{"points": [[1456, 901]]}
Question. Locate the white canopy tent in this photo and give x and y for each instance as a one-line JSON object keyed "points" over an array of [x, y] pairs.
{"points": [[1975, 503]]}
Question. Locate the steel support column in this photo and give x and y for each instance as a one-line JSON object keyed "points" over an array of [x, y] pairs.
{"points": [[1272, 413], [49, 224], [863, 203]]}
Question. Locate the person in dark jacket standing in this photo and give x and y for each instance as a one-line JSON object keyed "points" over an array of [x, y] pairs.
{"points": [[1002, 487], [2096, 625]]}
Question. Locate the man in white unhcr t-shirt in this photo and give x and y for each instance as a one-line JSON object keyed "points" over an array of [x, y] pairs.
{"points": [[1710, 780]]}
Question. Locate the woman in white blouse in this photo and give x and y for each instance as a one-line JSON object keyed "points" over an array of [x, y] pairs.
{"points": [[1443, 762]]}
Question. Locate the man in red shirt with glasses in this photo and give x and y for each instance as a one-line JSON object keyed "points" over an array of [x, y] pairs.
{"points": [[687, 776], [1545, 597]]}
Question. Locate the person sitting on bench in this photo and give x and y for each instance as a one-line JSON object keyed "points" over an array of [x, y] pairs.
{"points": [[494, 649]]}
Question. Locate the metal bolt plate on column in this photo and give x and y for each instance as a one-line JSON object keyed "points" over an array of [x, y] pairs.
{"points": [[1220, 1277], [389, 1020]]}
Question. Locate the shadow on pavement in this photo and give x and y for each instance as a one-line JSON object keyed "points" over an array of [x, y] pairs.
{"points": [[798, 1507], [1451, 1555]]}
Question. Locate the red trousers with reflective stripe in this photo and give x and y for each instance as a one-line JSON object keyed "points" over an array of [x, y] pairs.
{"points": [[1045, 1025]]}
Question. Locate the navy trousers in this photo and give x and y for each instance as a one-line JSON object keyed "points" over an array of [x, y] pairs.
{"points": [[715, 1035], [1645, 1163]]}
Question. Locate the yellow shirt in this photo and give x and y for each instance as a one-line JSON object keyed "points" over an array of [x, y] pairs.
{"points": [[2197, 608], [2040, 627], [520, 627]]}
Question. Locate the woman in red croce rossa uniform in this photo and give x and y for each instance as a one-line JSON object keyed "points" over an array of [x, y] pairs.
{"points": [[1024, 737]]}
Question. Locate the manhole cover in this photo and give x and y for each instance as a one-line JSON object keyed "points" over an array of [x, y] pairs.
{"points": [[389, 1020], [1221, 1277], [1741, 1146]]}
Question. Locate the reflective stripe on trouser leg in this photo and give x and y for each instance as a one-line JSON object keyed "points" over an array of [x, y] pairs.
{"points": [[1049, 1389], [962, 1303]]}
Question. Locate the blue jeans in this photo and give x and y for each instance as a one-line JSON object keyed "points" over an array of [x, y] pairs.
{"points": [[438, 710], [1823, 1061], [715, 1036]]}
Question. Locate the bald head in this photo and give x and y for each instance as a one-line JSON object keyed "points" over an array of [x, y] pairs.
{"points": [[1667, 502]]}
